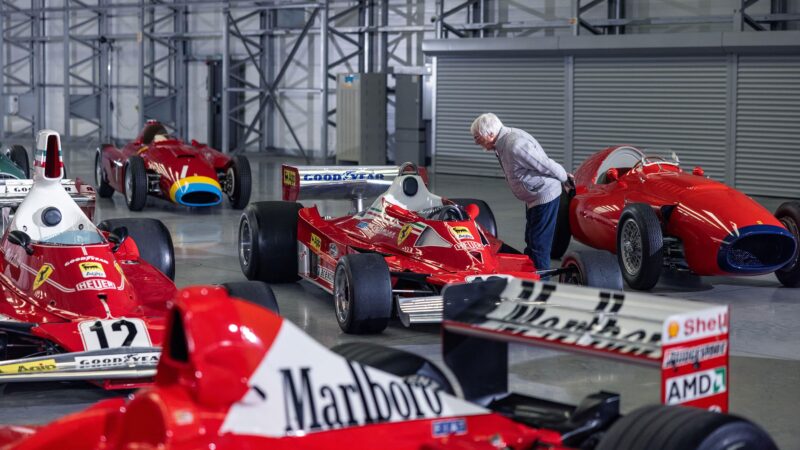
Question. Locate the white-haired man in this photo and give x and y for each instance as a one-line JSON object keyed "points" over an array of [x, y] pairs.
{"points": [[533, 178]]}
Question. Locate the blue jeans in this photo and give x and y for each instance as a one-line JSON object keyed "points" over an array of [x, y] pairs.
{"points": [[539, 229]]}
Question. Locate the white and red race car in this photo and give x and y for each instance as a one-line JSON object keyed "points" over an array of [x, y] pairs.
{"points": [[236, 376]]}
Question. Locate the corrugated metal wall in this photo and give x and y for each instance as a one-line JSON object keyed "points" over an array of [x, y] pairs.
{"points": [[768, 125], [525, 93], [659, 103]]}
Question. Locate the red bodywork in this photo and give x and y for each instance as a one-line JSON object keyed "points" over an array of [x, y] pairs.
{"points": [[175, 164], [215, 357], [707, 217]]}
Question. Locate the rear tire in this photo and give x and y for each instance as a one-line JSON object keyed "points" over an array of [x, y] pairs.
{"points": [[100, 179], [239, 182], [256, 292], [397, 362], [135, 183], [485, 216], [593, 268], [362, 292], [659, 427], [268, 242], [640, 245], [19, 156], [789, 215], [152, 238], [562, 234]]}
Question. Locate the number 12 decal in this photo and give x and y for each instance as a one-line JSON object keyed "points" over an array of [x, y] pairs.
{"points": [[100, 334]]}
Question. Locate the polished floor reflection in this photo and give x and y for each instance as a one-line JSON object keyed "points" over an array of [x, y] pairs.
{"points": [[765, 367]]}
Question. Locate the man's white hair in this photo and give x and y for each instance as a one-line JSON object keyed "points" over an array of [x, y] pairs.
{"points": [[485, 125]]}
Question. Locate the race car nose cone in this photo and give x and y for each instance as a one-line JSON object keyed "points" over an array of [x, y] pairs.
{"points": [[196, 191]]}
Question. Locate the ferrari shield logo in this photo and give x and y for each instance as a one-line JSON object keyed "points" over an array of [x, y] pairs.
{"points": [[316, 242], [289, 178], [404, 233], [92, 270], [42, 276]]}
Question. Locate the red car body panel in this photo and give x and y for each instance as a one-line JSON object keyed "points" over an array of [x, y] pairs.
{"points": [[195, 167], [708, 216]]}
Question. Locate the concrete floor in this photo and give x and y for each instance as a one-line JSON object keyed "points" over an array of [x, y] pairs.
{"points": [[765, 363]]}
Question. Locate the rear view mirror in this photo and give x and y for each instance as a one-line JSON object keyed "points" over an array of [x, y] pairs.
{"points": [[698, 171], [473, 211], [612, 175], [21, 238]]}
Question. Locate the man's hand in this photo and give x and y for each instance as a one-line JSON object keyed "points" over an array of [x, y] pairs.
{"points": [[569, 185]]}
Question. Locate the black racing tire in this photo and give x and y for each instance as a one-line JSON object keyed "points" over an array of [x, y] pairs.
{"points": [[256, 292], [152, 238], [135, 183], [407, 365], [593, 268], [789, 215], [659, 427], [563, 233], [362, 293], [19, 156], [640, 246], [238, 182], [267, 243], [485, 216], [100, 178]]}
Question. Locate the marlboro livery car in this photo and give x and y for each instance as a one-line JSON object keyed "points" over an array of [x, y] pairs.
{"points": [[405, 246], [653, 215], [69, 286], [163, 166], [236, 376]]}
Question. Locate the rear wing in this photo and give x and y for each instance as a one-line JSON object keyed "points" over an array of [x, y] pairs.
{"points": [[339, 182], [13, 192], [124, 363], [687, 341]]}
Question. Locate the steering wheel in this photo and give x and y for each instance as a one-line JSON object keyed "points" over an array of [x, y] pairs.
{"points": [[406, 166], [451, 213]]}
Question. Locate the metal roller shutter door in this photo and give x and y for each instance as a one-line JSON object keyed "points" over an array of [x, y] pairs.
{"points": [[660, 103], [526, 93], [768, 126]]}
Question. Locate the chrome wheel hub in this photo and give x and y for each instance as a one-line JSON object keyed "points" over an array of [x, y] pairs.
{"points": [[128, 184], [341, 295], [631, 247], [245, 243]]}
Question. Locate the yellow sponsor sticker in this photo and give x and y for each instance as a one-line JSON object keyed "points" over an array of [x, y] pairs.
{"points": [[462, 233], [404, 233], [92, 270], [44, 273], [316, 242], [45, 365], [289, 177], [142, 150]]}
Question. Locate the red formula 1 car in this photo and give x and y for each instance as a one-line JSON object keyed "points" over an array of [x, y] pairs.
{"points": [[235, 376], [653, 215], [163, 166], [406, 246]]}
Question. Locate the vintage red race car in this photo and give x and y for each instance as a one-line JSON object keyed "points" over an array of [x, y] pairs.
{"points": [[653, 215], [163, 166], [236, 376], [401, 250]]}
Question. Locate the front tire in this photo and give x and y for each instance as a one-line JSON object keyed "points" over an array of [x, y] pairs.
{"points": [[135, 183], [267, 242], [100, 180], [659, 427], [19, 156], [256, 292], [789, 215], [238, 182], [640, 245], [362, 293], [152, 238], [593, 268]]}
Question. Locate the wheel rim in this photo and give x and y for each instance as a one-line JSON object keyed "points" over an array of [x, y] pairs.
{"points": [[98, 172], [341, 295], [245, 243], [572, 276], [791, 225], [128, 184], [230, 181], [631, 247]]}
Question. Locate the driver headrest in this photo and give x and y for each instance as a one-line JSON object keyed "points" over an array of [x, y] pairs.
{"points": [[410, 186]]}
